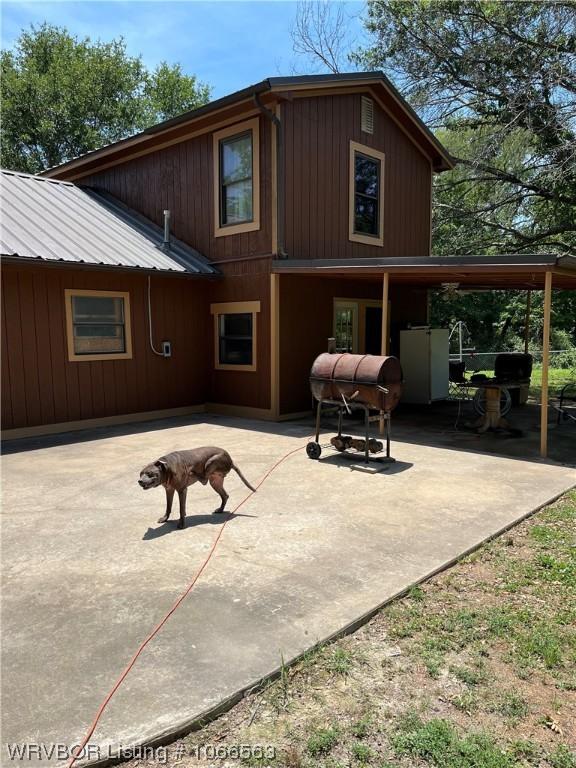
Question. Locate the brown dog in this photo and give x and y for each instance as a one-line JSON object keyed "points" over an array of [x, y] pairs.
{"points": [[176, 471]]}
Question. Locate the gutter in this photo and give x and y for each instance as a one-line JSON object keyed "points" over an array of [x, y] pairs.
{"points": [[280, 191]]}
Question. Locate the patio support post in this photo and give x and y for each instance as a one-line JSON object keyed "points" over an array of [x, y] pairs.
{"points": [[545, 365], [275, 345], [527, 320], [384, 342]]}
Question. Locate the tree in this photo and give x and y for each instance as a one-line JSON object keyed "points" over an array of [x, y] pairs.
{"points": [[499, 79], [319, 33], [62, 97]]}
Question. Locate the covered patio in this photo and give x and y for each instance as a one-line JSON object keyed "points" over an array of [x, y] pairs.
{"points": [[539, 272]]}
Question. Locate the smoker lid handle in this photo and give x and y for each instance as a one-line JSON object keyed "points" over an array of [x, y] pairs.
{"points": [[383, 389]]}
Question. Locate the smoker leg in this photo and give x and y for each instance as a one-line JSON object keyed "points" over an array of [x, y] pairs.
{"points": [[387, 435], [367, 449], [318, 417], [339, 422]]}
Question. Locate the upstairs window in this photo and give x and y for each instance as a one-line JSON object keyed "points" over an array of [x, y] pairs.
{"points": [[366, 195], [236, 179], [236, 205], [98, 325]]}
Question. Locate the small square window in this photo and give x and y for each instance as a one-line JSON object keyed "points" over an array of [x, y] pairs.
{"points": [[98, 325], [235, 335]]}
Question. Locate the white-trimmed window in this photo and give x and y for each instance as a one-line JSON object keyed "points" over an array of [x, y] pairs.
{"points": [[366, 195], [237, 178], [98, 325], [235, 335]]}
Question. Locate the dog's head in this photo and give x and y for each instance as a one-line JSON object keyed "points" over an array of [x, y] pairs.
{"points": [[153, 475]]}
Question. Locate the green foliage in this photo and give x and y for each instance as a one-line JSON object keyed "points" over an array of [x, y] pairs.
{"points": [[361, 753], [562, 757], [437, 743], [322, 741], [62, 97], [497, 81], [495, 320]]}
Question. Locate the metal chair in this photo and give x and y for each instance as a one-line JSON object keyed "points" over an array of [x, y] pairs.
{"points": [[567, 403]]}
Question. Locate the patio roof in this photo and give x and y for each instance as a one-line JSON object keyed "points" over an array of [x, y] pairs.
{"points": [[501, 271]]}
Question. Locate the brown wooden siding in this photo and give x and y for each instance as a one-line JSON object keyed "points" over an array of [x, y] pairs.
{"points": [[306, 323], [180, 178], [244, 281], [317, 134], [40, 385]]}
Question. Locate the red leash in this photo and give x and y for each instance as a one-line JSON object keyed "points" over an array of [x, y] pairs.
{"points": [[78, 751]]}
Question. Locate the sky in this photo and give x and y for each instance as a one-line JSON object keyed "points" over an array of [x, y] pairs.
{"points": [[227, 44]]}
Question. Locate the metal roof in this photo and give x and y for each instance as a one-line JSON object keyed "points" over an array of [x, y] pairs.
{"points": [[57, 221], [270, 84]]}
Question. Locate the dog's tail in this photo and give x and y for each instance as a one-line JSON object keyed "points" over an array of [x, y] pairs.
{"points": [[241, 476]]}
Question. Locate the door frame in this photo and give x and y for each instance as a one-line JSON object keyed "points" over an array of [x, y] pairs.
{"points": [[359, 318]]}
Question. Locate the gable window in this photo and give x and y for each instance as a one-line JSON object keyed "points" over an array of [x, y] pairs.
{"points": [[235, 335], [98, 325], [236, 179], [366, 195]]}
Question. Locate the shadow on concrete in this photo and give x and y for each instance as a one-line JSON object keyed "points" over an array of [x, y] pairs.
{"points": [[355, 463], [192, 521], [297, 429], [440, 425]]}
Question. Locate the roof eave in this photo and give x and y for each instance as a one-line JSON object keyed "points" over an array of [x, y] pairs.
{"points": [[15, 258]]}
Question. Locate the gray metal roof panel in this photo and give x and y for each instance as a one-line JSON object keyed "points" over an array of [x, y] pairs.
{"points": [[60, 221]]}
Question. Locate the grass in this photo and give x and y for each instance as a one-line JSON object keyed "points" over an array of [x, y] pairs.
{"points": [[322, 741], [438, 743], [557, 378], [475, 668]]}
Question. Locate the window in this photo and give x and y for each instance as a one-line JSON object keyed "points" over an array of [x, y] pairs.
{"points": [[98, 325], [235, 335], [346, 326], [236, 179], [366, 195]]}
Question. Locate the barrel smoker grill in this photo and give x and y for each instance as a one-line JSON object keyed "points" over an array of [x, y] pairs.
{"points": [[348, 382]]}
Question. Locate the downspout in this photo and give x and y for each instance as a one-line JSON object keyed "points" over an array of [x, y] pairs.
{"points": [[279, 175]]}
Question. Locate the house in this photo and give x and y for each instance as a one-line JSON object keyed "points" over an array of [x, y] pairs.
{"points": [[237, 238]]}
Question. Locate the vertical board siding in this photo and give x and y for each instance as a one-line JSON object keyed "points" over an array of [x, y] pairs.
{"points": [[306, 323], [180, 178], [40, 385], [318, 132], [244, 281]]}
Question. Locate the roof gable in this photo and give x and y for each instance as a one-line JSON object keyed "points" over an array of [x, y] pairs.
{"points": [[269, 90]]}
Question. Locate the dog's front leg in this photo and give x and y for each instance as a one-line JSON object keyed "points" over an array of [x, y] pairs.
{"points": [[169, 497], [182, 499]]}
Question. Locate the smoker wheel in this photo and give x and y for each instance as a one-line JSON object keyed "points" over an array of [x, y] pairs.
{"points": [[313, 450]]}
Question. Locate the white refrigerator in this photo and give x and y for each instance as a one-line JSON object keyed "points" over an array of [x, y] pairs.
{"points": [[424, 355]]}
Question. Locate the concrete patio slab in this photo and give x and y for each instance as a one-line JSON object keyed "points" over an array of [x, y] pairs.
{"points": [[87, 571]]}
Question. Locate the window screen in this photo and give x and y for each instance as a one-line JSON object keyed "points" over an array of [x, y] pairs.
{"points": [[98, 324]]}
